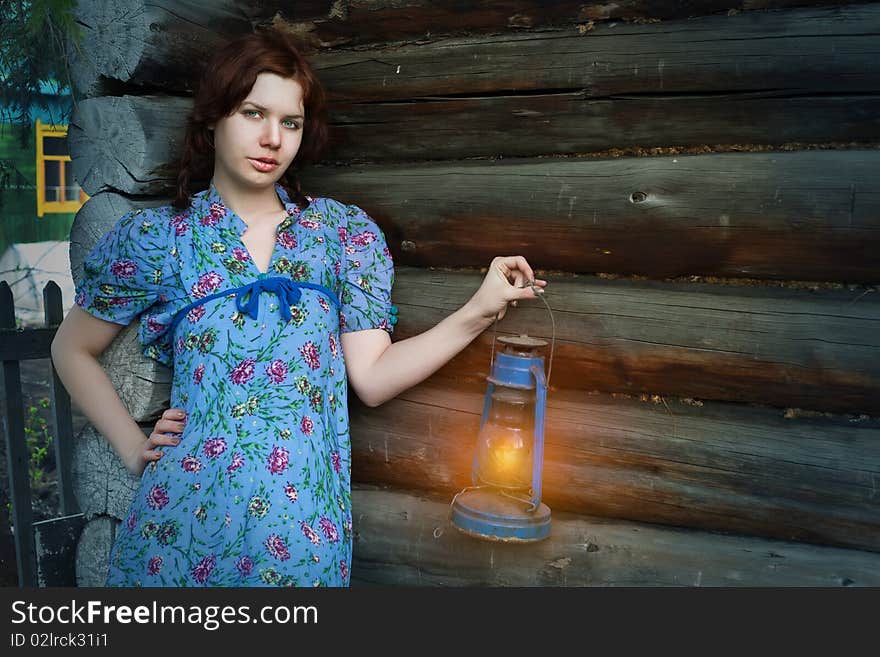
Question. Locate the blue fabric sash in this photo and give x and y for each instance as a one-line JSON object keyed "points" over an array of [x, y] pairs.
{"points": [[248, 297]]}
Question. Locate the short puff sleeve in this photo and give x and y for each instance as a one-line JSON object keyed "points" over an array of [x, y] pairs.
{"points": [[126, 275], [367, 275]]}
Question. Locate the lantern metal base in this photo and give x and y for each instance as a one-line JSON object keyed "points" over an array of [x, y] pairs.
{"points": [[489, 515]]}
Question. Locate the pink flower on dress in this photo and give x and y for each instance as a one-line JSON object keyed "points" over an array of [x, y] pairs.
{"points": [[287, 240], [203, 569], [80, 298], [131, 521], [209, 220], [237, 462], [309, 352], [196, 314], [243, 372], [364, 239], [307, 425], [157, 497], [206, 284], [343, 234], [218, 209], [343, 569], [290, 491], [276, 547], [245, 565], [199, 373], [308, 223], [337, 267], [310, 533], [180, 224], [337, 462], [277, 371], [333, 347], [324, 305], [153, 325], [279, 460], [329, 529], [154, 566], [120, 301], [240, 254], [190, 463], [214, 447]]}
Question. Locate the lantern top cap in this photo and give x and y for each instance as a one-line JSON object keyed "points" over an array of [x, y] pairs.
{"points": [[522, 341]]}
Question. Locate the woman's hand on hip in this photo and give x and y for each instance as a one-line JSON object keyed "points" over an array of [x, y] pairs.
{"points": [[166, 432]]}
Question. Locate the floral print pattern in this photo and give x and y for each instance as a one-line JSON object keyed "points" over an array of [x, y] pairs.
{"points": [[258, 491]]}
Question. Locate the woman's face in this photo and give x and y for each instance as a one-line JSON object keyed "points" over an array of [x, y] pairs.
{"points": [[255, 144]]}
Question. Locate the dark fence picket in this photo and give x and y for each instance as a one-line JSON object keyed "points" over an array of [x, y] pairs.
{"points": [[16, 450], [45, 551], [61, 411]]}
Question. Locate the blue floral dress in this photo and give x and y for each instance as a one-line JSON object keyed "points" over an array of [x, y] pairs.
{"points": [[258, 491]]}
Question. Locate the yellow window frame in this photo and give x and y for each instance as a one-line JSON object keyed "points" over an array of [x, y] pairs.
{"points": [[44, 130]]}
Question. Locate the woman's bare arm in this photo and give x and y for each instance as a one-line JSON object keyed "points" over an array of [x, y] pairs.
{"points": [[80, 340]]}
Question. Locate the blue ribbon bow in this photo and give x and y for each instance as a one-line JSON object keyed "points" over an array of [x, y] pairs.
{"points": [[287, 291]]}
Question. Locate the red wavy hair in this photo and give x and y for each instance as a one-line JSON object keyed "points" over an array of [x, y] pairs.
{"points": [[228, 78]]}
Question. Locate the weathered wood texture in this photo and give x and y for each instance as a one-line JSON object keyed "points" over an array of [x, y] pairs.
{"points": [[162, 45], [93, 551], [831, 49], [807, 215], [101, 482], [403, 539], [714, 466], [568, 123], [777, 346], [129, 144]]}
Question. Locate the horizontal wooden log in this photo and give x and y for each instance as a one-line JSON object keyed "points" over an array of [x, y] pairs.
{"points": [[127, 144], [774, 346], [143, 384], [403, 539], [162, 44], [567, 123], [807, 215], [829, 49], [371, 21], [714, 466], [101, 483]]}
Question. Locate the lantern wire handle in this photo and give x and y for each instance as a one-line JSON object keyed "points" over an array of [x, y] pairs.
{"points": [[539, 292]]}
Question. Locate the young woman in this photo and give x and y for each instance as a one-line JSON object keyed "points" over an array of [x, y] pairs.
{"points": [[267, 303]]}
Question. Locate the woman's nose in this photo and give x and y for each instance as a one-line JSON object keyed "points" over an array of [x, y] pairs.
{"points": [[271, 135]]}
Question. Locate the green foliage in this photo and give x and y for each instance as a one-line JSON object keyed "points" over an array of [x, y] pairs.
{"points": [[36, 40], [39, 441]]}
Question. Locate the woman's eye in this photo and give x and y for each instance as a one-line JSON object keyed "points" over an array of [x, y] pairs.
{"points": [[291, 124], [250, 112]]}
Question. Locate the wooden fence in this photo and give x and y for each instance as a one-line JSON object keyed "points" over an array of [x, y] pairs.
{"points": [[45, 551]]}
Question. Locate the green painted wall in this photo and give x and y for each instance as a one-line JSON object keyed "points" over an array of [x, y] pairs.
{"points": [[18, 215]]}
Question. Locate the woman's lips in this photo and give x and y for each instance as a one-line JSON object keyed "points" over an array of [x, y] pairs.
{"points": [[264, 167]]}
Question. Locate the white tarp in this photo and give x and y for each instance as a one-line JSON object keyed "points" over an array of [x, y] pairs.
{"points": [[27, 268]]}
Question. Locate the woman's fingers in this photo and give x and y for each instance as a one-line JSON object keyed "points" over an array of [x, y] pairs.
{"points": [[157, 439]]}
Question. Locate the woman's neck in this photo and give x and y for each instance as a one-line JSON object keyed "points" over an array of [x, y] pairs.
{"points": [[252, 205]]}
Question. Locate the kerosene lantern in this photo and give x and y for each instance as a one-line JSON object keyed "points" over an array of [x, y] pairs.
{"points": [[504, 503]]}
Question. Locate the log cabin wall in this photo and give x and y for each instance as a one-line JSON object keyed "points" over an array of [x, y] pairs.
{"points": [[696, 180]]}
